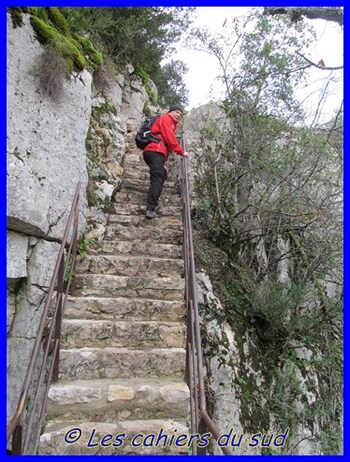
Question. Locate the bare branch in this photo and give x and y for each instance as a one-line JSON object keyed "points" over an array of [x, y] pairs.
{"points": [[326, 68], [335, 122]]}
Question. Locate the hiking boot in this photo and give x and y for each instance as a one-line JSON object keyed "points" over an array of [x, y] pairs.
{"points": [[151, 214]]}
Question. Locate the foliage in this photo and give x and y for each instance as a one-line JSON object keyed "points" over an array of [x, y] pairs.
{"points": [[297, 342], [170, 84], [140, 36], [84, 244], [52, 30], [69, 273], [258, 66], [296, 14], [89, 50], [47, 35], [58, 20]]}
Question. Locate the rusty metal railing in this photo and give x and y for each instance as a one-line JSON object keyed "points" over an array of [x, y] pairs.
{"points": [[200, 420], [46, 365]]}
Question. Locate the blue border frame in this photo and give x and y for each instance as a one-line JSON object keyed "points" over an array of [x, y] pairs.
{"points": [[3, 245], [3, 174]]}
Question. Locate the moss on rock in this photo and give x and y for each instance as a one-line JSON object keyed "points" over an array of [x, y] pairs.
{"points": [[58, 20], [87, 46], [52, 28]]}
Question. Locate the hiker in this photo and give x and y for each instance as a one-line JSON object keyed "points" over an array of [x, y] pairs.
{"points": [[156, 154]]}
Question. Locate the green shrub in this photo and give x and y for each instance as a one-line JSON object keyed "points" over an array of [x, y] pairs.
{"points": [[84, 245], [44, 33], [95, 56], [40, 13], [70, 50], [58, 20]]}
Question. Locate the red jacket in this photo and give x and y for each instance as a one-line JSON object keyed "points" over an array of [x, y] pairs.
{"points": [[164, 128]]}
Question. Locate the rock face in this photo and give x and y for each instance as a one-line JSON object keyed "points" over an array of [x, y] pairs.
{"points": [[205, 127], [223, 371], [46, 141], [45, 160]]}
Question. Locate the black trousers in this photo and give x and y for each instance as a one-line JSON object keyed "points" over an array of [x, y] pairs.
{"points": [[158, 175]]}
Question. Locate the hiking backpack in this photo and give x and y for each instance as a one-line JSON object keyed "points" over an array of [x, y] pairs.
{"points": [[144, 136]]}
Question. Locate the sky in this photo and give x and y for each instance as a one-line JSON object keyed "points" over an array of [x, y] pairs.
{"points": [[203, 69]]}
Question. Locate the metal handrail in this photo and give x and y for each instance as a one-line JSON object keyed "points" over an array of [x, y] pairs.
{"points": [[194, 357], [48, 334]]}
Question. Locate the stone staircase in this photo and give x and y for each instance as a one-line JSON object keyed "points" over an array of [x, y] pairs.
{"points": [[122, 360]]}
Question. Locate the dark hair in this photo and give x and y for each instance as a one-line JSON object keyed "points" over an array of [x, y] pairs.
{"points": [[175, 107]]}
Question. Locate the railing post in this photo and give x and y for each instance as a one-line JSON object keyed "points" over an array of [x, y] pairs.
{"points": [[58, 324], [202, 428], [200, 420], [75, 241], [17, 440]]}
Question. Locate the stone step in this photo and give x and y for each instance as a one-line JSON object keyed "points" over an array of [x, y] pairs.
{"points": [[137, 220], [133, 287], [143, 185], [130, 167], [136, 172], [141, 172], [144, 437], [121, 208], [124, 309], [111, 400], [140, 198], [79, 333], [131, 266], [114, 362], [158, 234], [133, 157], [141, 248]]}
